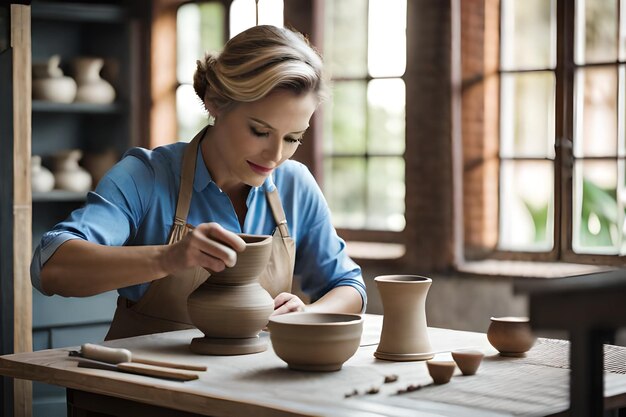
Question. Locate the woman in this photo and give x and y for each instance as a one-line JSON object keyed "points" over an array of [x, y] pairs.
{"points": [[161, 219]]}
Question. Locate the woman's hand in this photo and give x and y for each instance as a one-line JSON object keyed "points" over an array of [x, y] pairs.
{"points": [[209, 245], [287, 303]]}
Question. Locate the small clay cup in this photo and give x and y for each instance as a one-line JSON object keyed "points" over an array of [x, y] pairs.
{"points": [[468, 360], [441, 371], [315, 341], [511, 336]]}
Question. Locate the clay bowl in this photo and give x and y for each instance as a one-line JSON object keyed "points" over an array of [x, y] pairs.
{"points": [[468, 360], [315, 341], [441, 371], [511, 336]]}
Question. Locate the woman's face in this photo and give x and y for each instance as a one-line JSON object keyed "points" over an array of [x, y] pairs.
{"points": [[252, 139]]}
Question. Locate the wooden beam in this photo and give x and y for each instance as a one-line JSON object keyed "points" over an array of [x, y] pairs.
{"points": [[22, 207], [6, 218]]}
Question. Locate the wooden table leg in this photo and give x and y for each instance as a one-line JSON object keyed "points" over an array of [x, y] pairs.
{"points": [[587, 371]]}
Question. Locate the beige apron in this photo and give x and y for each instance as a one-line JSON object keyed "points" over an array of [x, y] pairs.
{"points": [[164, 305]]}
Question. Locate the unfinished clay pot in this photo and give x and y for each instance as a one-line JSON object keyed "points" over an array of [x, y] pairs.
{"points": [[231, 307], [404, 336], [315, 341], [511, 336], [441, 371], [468, 360]]}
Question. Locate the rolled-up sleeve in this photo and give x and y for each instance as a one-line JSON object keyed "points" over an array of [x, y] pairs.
{"points": [[110, 215]]}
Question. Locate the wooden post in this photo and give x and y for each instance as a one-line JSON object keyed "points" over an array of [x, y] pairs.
{"points": [[22, 198]]}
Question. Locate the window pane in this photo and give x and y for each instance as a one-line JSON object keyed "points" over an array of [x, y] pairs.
{"points": [[386, 190], [622, 31], [528, 34], [527, 115], [596, 112], [596, 211], [621, 119], [199, 28], [345, 38], [386, 117], [243, 14], [344, 188], [526, 205], [596, 31], [190, 113], [346, 126], [387, 38], [188, 41]]}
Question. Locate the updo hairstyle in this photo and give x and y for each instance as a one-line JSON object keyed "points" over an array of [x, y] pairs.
{"points": [[256, 62]]}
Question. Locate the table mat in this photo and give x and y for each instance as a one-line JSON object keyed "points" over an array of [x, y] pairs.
{"points": [[504, 386], [534, 385], [555, 353]]}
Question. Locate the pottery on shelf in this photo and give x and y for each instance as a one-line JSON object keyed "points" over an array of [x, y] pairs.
{"points": [[468, 360], [404, 336], [92, 88], [41, 179], [441, 371], [511, 336], [315, 341], [50, 84], [68, 175], [231, 307]]}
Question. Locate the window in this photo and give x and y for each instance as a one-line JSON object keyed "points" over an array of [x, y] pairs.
{"points": [[562, 177], [527, 121], [364, 122]]}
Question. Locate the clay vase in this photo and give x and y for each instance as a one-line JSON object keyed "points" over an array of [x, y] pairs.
{"points": [[92, 88], [404, 336], [50, 84], [41, 179], [511, 336], [68, 175], [231, 307]]}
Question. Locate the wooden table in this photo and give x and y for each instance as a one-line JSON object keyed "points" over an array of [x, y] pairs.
{"points": [[591, 308], [262, 385]]}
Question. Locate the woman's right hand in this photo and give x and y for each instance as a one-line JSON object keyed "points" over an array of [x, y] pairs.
{"points": [[209, 245]]}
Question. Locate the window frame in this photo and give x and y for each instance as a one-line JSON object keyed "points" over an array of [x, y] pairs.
{"points": [[565, 72], [351, 234]]}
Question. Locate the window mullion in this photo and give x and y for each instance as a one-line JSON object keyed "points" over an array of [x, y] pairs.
{"points": [[564, 128]]}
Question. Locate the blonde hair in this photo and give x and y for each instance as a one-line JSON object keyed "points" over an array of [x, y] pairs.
{"points": [[256, 62]]}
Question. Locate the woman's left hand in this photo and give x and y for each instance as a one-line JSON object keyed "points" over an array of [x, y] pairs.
{"points": [[287, 303]]}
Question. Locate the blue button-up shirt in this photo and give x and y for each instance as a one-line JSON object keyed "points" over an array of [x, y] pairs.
{"points": [[134, 204]]}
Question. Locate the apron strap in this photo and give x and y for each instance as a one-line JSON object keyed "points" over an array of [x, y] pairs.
{"points": [[188, 171], [277, 211]]}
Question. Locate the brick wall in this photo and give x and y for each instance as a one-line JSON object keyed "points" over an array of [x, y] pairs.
{"points": [[480, 34], [429, 202]]}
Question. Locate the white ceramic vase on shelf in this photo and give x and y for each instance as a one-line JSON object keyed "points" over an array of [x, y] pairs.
{"points": [[68, 174], [41, 179], [92, 88], [50, 84]]}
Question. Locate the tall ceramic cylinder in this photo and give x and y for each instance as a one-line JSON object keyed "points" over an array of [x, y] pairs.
{"points": [[404, 336], [231, 307]]}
